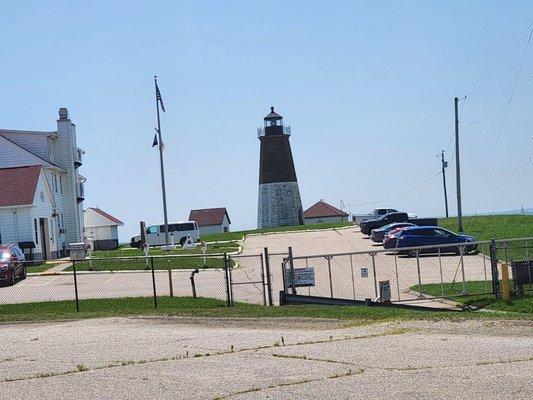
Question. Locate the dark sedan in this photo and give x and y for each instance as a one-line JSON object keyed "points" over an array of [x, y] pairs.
{"points": [[378, 234], [11, 264]]}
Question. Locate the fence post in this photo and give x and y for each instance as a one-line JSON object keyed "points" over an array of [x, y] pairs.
{"points": [[153, 281], [505, 282], [263, 285], [330, 279], [374, 272], [353, 277], [494, 269], [76, 286], [226, 277], [268, 281], [170, 285], [420, 294], [396, 269], [441, 278], [193, 284], [230, 276], [292, 271]]}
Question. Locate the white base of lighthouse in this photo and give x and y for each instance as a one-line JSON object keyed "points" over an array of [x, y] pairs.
{"points": [[279, 205]]}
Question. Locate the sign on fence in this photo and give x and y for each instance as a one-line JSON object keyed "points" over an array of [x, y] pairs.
{"points": [[364, 272], [384, 291], [77, 251], [302, 277]]}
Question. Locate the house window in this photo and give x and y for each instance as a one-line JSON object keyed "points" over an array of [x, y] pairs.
{"points": [[55, 182], [61, 183], [51, 231], [36, 231]]}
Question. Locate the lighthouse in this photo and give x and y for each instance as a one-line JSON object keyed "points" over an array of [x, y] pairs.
{"points": [[279, 202]]}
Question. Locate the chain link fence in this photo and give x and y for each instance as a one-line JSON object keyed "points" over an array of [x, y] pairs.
{"points": [[446, 271], [218, 277]]}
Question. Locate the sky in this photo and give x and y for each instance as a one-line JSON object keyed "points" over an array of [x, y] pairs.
{"points": [[367, 88]]}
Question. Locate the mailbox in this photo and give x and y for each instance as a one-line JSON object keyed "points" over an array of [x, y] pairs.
{"points": [[77, 251]]}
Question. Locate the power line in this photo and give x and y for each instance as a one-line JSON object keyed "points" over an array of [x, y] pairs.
{"points": [[501, 130], [512, 175], [502, 64], [398, 195], [502, 106]]}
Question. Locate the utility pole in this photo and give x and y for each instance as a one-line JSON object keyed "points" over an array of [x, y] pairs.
{"points": [[161, 164], [458, 168], [444, 165]]}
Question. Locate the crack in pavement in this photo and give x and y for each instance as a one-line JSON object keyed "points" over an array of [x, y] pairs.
{"points": [[122, 363], [287, 384]]}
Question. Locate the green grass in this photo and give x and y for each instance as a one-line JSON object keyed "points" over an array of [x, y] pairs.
{"points": [[239, 235], [129, 264], [204, 307], [41, 267], [495, 226], [126, 251], [477, 296]]}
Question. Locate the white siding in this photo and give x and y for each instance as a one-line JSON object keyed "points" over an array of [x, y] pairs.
{"points": [[208, 229], [34, 142], [14, 225], [43, 208], [12, 155]]}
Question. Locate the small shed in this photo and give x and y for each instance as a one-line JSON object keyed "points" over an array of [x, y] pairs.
{"points": [[324, 213], [102, 228], [211, 220]]}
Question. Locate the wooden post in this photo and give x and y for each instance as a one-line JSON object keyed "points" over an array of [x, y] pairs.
{"points": [[170, 282], [505, 282]]}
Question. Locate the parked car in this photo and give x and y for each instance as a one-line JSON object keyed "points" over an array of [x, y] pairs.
{"points": [[376, 213], [389, 241], [11, 264], [155, 234], [433, 236], [369, 224], [378, 234]]}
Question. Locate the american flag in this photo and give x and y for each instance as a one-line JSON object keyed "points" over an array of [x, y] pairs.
{"points": [[158, 97]]}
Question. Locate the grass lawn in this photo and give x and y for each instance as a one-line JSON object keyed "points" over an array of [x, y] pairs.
{"points": [[479, 299], [41, 267], [240, 234], [203, 307], [128, 264], [126, 251], [495, 226]]}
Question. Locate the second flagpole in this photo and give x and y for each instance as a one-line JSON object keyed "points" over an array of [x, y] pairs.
{"points": [[163, 189]]}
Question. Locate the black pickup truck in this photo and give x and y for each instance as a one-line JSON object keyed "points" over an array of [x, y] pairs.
{"points": [[369, 224]]}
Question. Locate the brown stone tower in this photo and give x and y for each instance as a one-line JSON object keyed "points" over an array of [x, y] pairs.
{"points": [[279, 196]]}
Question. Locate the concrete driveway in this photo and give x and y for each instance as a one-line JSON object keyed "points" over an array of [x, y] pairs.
{"points": [[176, 358]]}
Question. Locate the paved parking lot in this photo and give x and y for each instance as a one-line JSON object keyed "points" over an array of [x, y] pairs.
{"points": [[176, 358], [347, 281]]}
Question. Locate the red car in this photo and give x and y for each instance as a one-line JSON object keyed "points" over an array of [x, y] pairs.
{"points": [[389, 241], [11, 264]]}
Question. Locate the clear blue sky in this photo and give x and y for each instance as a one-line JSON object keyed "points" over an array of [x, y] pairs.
{"points": [[367, 88]]}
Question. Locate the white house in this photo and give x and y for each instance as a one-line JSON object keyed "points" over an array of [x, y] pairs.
{"points": [[57, 155], [324, 213], [102, 228], [211, 220]]}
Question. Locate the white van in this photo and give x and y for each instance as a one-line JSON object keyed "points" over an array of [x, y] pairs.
{"points": [[155, 234]]}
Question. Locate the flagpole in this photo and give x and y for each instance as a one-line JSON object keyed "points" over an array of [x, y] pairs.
{"points": [[163, 189]]}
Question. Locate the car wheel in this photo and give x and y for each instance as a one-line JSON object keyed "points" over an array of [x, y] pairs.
{"points": [[24, 273], [11, 280], [183, 240]]}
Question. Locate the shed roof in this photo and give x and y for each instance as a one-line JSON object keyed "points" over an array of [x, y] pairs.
{"points": [[18, 185], [209, 216], [322, 209], [106, 215]]}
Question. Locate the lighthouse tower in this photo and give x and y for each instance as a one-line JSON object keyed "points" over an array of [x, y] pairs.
{"points": [[279, 197]]}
